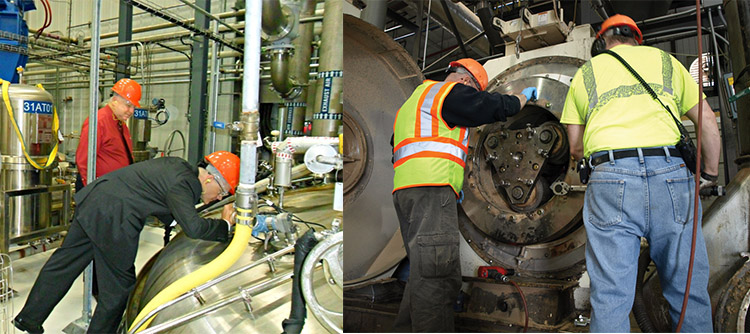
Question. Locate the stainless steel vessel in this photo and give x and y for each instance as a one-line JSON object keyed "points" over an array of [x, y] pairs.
{"points": [[26, 201], [267, 309], [140, 132]]}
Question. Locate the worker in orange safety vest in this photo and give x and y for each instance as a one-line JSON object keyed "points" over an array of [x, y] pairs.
{"points": [[430, 138]]}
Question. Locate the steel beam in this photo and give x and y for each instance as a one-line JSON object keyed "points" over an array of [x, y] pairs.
{"points": [[198, 87], [124, 34]]}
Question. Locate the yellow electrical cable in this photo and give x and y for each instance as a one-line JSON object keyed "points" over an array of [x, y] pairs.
{"points": [[341, 143], [55, 128], [208, 272]]}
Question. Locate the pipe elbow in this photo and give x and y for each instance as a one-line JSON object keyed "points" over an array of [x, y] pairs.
{"points": [[280, 71]]}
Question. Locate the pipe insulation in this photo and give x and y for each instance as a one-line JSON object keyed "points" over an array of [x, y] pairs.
{"points": [[300, 70], [328, 113]]}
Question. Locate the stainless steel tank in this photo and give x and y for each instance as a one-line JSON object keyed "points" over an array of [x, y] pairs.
{"points": [[32, 110], [184, 255], [140, 132]]}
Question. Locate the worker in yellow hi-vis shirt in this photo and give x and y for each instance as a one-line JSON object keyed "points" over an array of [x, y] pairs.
{"points": [[639, 185]]}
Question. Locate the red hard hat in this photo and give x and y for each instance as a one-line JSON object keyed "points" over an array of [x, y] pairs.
{"points": [[228, 164], [621, 20], [129, 89], [475, 68]]}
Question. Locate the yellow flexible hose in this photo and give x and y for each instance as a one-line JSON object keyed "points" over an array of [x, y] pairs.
{"points": [[208, 272], [55, 128]]}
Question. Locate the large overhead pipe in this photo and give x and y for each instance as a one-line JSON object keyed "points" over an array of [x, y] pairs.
{"points": [[375, 13], [300, 67], [467, 23], [274, 20], [327, 117]]}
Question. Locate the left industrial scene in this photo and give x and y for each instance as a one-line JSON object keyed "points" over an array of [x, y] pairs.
{"points": [[171, 166]]}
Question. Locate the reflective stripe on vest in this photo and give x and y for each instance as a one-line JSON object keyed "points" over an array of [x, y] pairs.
{"points": [[429, 146], [597, 101], [427, 150]]}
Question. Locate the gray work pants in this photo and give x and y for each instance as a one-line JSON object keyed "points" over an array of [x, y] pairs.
{"points": [[429, 227]]}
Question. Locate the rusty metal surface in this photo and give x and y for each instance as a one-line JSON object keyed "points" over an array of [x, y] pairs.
{"points": [[731, 310], [550, 303], [380, 77], [510, 216]]}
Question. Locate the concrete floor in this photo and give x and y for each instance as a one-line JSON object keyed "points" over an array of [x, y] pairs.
{"points": [[25, 271]]}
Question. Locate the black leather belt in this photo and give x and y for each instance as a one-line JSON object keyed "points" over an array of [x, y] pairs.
{"points": [[647, 152]]}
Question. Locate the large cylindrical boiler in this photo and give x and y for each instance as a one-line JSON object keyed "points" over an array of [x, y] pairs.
{"points": [[32, 112]]}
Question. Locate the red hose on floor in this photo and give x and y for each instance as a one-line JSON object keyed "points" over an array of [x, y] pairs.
{"points": [[697, 168], [525, 307]]}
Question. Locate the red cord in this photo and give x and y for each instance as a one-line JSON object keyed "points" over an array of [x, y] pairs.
{"points": [[47, 17], [525, 307], [697, 168]]}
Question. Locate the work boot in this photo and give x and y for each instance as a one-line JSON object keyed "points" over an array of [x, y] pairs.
{"points": [[26, 327]]}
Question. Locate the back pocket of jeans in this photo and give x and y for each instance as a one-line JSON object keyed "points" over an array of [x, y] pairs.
{"points": [[438, 254], [679, 189], [604, 198]]}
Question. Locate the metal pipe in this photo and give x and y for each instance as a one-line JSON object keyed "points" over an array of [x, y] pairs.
{"points": [[214, 97], [688, 32], [246, 202], [474, 38], [599, 8], [213, 17], [274, 20], [328, 111], [298, 145], [729, 171], [242, 294], [178, 22], [213, 282], [93, 122], [280, 70], [300, 69], [467, 23], [375, 13], [164, 60], [686, 13]]}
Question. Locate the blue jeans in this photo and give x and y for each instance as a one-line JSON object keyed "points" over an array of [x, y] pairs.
{"points": [[649, 197]]}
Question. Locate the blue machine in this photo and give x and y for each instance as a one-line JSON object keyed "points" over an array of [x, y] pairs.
{"points": [[14, 37]]}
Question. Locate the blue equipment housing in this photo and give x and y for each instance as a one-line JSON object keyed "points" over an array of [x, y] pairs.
{"points": [[14, 36]]}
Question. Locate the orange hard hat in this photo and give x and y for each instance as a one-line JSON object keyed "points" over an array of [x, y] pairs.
{"points": [[228, 164], [129, 89], [621, 20], [475, 68]]}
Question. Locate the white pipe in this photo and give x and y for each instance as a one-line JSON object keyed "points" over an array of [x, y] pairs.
{"points": [[295, 145], [246, 202]]}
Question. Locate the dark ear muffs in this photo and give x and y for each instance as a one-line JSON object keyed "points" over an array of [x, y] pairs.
{"points": [[598, 47]]}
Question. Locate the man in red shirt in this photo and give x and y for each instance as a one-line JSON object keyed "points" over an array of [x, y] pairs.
{"points": [[114, 147]]}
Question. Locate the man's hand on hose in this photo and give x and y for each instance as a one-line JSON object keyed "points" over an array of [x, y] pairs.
{"points": [[228, 213]]}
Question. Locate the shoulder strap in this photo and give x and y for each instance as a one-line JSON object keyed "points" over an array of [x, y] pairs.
{"points": [[647, 86]]}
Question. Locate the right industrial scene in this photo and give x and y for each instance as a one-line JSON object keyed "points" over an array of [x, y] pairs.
{"points": [[546, 166]]}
